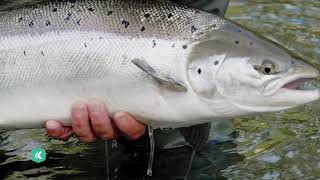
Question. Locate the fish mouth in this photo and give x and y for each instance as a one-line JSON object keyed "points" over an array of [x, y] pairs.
{"points": [[291, 91], [297, 84]]}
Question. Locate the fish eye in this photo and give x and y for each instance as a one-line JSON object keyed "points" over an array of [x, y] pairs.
{"points": [[268, 67]]}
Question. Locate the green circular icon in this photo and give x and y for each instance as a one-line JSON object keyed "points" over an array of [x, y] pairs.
{"points": [[38, 155]]}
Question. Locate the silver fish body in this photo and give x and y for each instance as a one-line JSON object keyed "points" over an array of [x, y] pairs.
{"points": [[57, 53], [53, 54]]}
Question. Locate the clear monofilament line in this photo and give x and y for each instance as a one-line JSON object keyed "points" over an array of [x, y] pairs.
{"points": [[190, 164], [107, 159], [150, 163]]}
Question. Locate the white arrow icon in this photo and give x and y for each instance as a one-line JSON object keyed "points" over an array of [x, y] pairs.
{"points": [[38, 155]]}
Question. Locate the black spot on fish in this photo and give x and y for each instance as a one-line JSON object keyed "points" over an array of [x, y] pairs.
{"points": [[251, 43], [193, 29], [292, 62], [237, 42], [154, 43], [72, 6], [216, 62], [31, 24], [143, 28], [90, 9], [199, 71], [109, 13], [197, 11], [214, 25], [42, 53], [170, 15], [54, 10], [126, 23], [24, 53], [68, 16], [147, 15], [239, 30], [20, 19], [78, 22], [48, 23], [173, 45], [184, 46], [85, 45]]}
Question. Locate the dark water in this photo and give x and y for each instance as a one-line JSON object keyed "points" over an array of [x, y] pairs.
{"points": [[281, 145]]}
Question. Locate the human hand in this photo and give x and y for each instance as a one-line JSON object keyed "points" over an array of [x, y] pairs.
{"points": [[91, 121]]}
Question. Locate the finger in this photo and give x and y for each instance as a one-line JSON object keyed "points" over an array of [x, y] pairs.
{"points": [[80, 122], [56, 130], [100, 121], [129, 127]]}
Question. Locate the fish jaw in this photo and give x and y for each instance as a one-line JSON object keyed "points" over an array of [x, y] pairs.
{"points": [[285, 90], [254, 92], [287, 94], [299, 73]]}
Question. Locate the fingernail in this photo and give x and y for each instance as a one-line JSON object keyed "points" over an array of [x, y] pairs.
{"points": [[121, 116], [52, 125]]}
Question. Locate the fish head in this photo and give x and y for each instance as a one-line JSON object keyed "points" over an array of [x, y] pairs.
{"points": [[250, 72]]}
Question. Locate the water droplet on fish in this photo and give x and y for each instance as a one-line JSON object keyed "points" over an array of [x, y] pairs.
{"points": [[114, 144]]}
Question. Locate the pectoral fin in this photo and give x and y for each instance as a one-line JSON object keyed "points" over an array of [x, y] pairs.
{"points": [[197, 135], [142, 64]]}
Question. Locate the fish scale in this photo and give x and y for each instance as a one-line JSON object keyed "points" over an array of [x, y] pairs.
{"points": [[31, 22], [124, 17]]}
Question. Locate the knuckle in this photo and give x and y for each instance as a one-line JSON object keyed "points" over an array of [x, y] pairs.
{"points": [[98, 122], [78, 111], [77, 117], [94, 115], [78, 124]]}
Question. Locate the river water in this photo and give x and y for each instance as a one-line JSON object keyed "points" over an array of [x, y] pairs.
{"points": [[284, 145]]}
